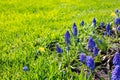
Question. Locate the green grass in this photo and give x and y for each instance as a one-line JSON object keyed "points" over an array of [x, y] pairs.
{"points": [[25, 23]]}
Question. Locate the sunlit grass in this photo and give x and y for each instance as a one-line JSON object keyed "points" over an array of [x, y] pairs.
{"points": [[23, 24]]}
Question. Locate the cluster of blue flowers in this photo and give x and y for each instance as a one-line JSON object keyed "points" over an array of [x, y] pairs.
{"points": [[108, 27], [88, 60], [117, 21], [92, 46], [108, 30], [116, 71]]}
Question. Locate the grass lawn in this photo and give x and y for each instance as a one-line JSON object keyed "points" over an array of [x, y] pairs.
{"points": [[27, 27]]}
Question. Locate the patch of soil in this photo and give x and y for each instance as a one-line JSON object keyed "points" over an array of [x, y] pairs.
{"points": [[101, 73]]}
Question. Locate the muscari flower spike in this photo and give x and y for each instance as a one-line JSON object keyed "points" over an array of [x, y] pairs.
{"points": [[101, 24], [116, 59], [94, 22], [116, 11], [58, 49], [82, 58], [95, 51], [118, 28], [117, 21], [109, 33], [91, 43], [25, 68], [67, 37], [90, 63], [116, 73], [107, 27], [82, 23], [74, 28]]}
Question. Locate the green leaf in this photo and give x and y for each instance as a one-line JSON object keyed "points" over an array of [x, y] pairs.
{"points": [[90, 77]]}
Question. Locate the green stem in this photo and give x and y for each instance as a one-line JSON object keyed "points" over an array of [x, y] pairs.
{"points": [[68, 56], [116, 31], [60, 62], [109, 75]]}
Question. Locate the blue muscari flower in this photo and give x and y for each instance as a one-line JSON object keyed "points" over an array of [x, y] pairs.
{"points": [[107, 28], [74, 28], [116, 11], [116, 73], [109, 33], [95, 51], [67, 37], [94, 22], [101, 24], [100, 41], [74, 25], [117, 21], [25, 68], [118, 28], [82, 23], [90, 63], [116, 59], [58, 49], [82, 58], [91, 43]]}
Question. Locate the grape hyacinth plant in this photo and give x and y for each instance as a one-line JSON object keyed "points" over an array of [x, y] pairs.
{"points": [[95, 51], [116, 73], [109, 33], [116, 59], [82, 58], [94, 22], [67, 37], [90, 63], [117, 21], [58, 49], [91, 43], [74, 28], [107, 28]]}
